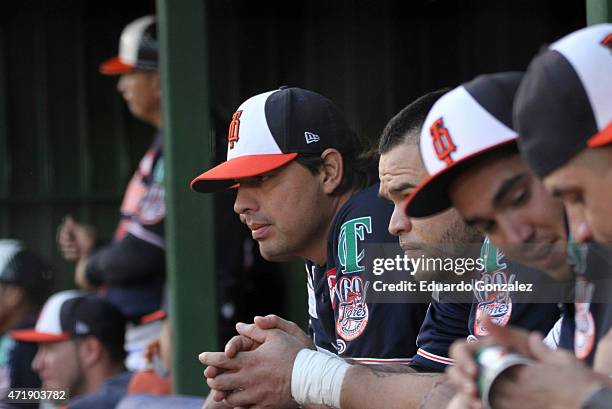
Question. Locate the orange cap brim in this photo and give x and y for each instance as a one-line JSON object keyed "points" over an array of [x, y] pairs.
{"points": [[31, 335], [602, 138], [114, 66], [154, 316], [224, 176]]}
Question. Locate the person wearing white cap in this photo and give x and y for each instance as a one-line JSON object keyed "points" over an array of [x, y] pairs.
{"points": [[25, 284], [317, 379], [563, 112], [472, 156], [305, 190], [130, 270], [80, 349]]}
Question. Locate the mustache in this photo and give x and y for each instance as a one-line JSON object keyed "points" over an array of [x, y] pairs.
{"points": [[258, 219]]}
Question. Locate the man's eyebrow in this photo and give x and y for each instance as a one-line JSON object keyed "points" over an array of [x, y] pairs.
{"points": [[402, 186], [398, 188], [506, 187]]}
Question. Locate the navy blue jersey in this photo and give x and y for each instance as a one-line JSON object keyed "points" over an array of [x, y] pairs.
{"points": [[447, 322], [500, 307], [589, 318], [342, 321]]}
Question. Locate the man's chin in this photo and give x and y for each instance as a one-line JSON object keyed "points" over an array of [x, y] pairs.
{"points": [[274, 255]]}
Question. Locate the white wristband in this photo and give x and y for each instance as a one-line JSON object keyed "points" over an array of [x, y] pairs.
{"points": [[317, 378]]}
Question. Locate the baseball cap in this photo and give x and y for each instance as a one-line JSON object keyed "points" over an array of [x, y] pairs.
{"points": [[564, 104], [465, 123], [21, 267], [269, 130], [138, 48], [72, 314]]}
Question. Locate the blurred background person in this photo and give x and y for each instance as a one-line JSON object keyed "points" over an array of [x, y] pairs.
{"points": [[25, 284], [80, 349], [130, 271]]}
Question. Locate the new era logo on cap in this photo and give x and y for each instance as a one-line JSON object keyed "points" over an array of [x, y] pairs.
{"points": [[269, 130], [311, 138], [464, 123]]}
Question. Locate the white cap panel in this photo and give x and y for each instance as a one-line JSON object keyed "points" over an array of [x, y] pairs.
{"points": [[592, 61], [130, 39], [49, 319], [470, 127], [254, 136], [8, 249]]}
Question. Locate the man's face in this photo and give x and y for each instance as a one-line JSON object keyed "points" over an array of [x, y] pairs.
{"points": [[287, 212], [504, 200], [585, 186], [400, 171], [141, 92], [58, 365]]}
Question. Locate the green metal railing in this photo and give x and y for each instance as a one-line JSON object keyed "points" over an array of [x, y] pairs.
{"points": [[598, 11], [189, 220]]}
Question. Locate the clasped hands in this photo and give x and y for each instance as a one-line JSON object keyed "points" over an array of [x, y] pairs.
{"points": [[254, 370]]}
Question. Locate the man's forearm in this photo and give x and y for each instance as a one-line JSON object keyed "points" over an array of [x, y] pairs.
{"points": [[388, 386]]}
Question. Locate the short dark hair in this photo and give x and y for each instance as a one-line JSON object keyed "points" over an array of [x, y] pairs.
{"points": [[359, 170], [405, 126], [116, 352]]}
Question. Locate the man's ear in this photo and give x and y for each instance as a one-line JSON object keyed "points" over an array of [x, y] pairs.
{"points": [[91, 350], [332, 170]]}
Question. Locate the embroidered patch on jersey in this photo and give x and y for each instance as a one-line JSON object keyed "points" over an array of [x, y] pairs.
{"points": [[351, 233], [499, 313], [496, 304], [352, 316], [584, 334], [153, 205]]}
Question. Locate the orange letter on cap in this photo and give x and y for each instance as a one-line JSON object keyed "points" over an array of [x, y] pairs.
{"points": [[442, 141], [234, 128]]}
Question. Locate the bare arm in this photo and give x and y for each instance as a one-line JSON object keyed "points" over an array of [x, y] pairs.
{"points": [[389, 386]]}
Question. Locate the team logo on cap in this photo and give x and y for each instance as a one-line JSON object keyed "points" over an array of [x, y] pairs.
{"points": [[607, 41], [442, 141], [234, 129]]}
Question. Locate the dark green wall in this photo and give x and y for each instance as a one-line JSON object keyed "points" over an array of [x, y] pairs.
{"points": [[67, 142]]}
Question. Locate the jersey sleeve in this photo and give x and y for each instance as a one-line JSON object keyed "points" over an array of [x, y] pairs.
{"points": [[320, 313], [444, 324], [128, 261]]}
